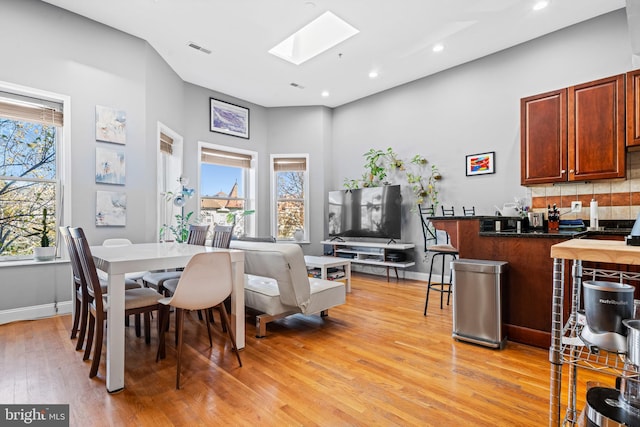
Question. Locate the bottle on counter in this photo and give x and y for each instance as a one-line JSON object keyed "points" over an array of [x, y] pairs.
{"points": [[554, 218]]}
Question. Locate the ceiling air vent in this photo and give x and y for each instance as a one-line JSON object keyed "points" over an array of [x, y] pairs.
{"points": [[297, 85], [200, 48]]}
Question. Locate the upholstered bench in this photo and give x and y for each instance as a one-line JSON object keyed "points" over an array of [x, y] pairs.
{"points": [[277, 284]]}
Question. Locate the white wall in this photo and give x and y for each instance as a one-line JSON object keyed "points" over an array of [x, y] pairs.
{"points": [[305, 130], [196, 119], [475, 108]]}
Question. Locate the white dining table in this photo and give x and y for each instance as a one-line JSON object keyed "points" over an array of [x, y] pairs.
{"points": [[118, 260]]}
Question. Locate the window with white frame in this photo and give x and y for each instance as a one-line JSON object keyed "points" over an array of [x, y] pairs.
{"points": [[289, 187], [169, 172], [31, 128], [226, 187]]}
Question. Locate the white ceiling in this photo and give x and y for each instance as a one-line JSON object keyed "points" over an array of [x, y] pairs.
{"points": [[396, 39]]}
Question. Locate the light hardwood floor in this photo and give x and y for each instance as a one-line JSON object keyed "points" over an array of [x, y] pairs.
{"points": [[374, 361]]}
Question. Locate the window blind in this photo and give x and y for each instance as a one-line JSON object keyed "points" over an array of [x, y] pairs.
{"points": [[289, 164], [166, 143], [27, 109], [225, 158]]}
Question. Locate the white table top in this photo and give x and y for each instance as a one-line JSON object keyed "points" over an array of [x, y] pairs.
{"points": [[150, 256], [325, 261]]}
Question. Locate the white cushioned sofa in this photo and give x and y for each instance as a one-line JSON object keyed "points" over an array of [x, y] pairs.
{"points": [[277, 284]]}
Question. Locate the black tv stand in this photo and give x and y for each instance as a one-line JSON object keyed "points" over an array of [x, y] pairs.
{"points": [[391, 241], [336, 239]]}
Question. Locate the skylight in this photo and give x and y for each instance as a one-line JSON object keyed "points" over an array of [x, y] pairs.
{"points": [[321, 34]]}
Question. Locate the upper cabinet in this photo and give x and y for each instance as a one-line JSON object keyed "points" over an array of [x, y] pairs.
{"points": [[596, 129], [633, 108], [574, 134], [543, 138]]}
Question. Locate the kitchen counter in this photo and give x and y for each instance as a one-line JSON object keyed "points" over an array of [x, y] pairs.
{"points": [[528, 288], [560, 233]]}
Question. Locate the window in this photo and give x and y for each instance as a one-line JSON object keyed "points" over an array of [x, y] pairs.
{"points": [[290, 185], [169, 163], [226, 187], [31, 127]]}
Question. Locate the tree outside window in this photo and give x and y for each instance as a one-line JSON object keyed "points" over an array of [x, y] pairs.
{"points": [[290, 179], [28, 183]]}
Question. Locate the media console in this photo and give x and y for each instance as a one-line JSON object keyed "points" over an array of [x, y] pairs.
{"points": [[389, 255]]}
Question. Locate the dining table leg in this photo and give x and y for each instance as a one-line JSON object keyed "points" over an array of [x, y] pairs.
{"points": [[115, 334], [237, 303]]}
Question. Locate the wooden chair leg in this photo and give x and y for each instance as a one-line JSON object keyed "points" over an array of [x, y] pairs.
{"points": [[206, 317], [147, 327], [97, 352], [76, 318], [225, 320], [179, 327], [163, 320], [138, 328], [224, 326], [90, 333], [84, 317]]}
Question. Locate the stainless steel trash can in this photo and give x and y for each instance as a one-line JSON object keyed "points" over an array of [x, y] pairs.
{"points": [[477, 301]]}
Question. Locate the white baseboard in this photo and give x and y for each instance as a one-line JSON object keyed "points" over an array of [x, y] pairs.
{"points": [[35, 312]]}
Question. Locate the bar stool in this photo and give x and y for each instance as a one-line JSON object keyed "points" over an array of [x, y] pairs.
{"points": [[438, 250], [443, 251]]}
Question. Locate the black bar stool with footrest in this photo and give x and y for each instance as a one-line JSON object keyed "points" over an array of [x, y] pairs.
{"points": [[438, 250]]}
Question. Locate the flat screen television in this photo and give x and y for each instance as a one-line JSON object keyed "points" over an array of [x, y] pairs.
{"points": [[366, 212]]}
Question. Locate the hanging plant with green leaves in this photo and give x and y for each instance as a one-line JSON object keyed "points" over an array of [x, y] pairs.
{"points": [[421, 178], [423, 185]]}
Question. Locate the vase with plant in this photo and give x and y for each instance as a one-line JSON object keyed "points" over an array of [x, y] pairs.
{"points": [[178, 198], [44, 252]]}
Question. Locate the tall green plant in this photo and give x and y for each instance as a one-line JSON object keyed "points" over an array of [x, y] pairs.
{"points": [[43, 231]]}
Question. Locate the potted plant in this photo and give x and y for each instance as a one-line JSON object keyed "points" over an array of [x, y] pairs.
{"points": [[178, 198], [44, 252]]}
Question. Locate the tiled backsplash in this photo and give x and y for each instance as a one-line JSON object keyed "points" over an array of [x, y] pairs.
{"points": [[617, 199]]}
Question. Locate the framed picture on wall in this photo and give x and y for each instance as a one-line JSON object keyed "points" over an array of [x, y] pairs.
{"points": [[111, 125], [111, 208], [228, 118], [480, 164], [110, 166]]}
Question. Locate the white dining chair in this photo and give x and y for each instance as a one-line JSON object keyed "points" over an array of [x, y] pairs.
{"points": [[205, 282], [156, 279]]}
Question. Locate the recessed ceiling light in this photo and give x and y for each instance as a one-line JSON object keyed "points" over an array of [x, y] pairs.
{"points": [[541, 5], [438, 47], [325, 93], [321, 34], [373, 74]]}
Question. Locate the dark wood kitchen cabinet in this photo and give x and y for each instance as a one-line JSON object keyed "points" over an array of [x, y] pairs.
{"points": [[543, 138], [596, 128], [574, 134], [633, 108]]}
